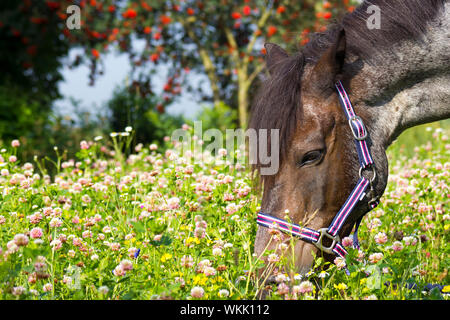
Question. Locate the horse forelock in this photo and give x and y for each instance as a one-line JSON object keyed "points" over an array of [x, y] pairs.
{"points": [[278, 104]]}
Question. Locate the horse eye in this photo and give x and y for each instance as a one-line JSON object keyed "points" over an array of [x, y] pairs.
{"points": [[311, 157]]}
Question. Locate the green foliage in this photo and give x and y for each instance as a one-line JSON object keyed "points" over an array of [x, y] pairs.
{"points": [[128, 108], [219, 39], [21, 114], [411, 138], [32, 47], [155, 227], [222, 40], [67, 131], [220, 116]]}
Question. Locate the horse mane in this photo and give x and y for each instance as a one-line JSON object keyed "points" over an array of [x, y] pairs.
{"points": [[277, 104]]}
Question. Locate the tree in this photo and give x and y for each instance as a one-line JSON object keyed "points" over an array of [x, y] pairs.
{"points": [[221, 38], [31, 36], [128, 107]]}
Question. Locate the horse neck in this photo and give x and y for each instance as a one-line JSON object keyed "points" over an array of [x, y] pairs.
{"points": [[409, 85]]}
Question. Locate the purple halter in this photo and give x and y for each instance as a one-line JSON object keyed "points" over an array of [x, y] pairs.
{"points": [[359, 192]]}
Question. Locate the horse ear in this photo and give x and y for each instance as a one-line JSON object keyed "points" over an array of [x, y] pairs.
{"points": [[274, 54], [327, 70]]}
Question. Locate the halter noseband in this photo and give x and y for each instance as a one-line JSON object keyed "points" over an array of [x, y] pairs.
{"points": [[359, 192]]}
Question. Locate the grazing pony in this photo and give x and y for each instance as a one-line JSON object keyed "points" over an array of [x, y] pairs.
{"points": [[338, 104]]}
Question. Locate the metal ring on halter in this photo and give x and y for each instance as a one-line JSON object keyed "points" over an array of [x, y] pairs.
{"points": [[373, 171], [356, 135]]}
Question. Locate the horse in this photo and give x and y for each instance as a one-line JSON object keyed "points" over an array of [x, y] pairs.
{"points": [[338, 103]]}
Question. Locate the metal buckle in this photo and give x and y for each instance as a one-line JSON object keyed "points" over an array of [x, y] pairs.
{"points": [[324, 232], [356, 135], [374, 200]]}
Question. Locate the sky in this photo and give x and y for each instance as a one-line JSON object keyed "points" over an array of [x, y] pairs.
{"points": [[76, 85]]}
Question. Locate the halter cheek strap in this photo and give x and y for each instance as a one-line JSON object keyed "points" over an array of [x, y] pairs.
{"points": [[358, 193]]}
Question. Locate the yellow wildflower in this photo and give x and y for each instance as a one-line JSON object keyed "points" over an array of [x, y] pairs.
{"points": [[200, 279], [217, 279], [165, 257], [192, 240], [341, 286], [129, 241], [220, 279]]}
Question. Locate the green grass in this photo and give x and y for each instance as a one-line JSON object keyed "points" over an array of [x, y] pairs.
{"points": [[150, 226], [416, 136]]}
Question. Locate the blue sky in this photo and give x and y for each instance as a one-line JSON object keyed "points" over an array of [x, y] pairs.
{"points": [[76, 85]]}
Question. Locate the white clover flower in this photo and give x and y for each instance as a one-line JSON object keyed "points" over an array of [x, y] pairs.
{"points": [[197, 292], [217, 252], [103, 290], [223, 293], [228, 245], [17, 291], [273, 257]]}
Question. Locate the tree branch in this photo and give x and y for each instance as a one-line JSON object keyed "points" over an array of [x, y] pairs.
{"points": [[254, 74], [234, 46], [261, 22], [206, 60]]}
